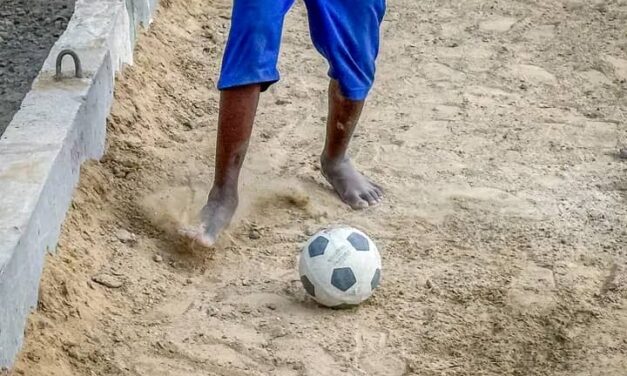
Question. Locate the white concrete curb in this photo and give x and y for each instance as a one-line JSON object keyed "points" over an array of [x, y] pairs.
{"points": [[60, 124]]}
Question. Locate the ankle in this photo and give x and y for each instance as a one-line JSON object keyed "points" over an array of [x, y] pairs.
{"points": [[225, 193], [327, 162]]}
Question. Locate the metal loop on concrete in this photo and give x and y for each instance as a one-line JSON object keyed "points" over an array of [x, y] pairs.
{"points": [[77, 64]]}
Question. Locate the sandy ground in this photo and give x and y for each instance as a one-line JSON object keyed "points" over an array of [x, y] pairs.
{"points": [[494, 127], [28, 29]]}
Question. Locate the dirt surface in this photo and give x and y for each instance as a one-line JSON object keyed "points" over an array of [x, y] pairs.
{"points": [[28, 29], [495, 129]]}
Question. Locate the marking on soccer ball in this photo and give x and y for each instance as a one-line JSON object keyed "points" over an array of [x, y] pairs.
{"points": [[339, 254], [343, 278], [359, 242], [375, 279], [308, 286], [317, 247]]}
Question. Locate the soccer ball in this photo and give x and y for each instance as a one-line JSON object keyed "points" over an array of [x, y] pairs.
{"points": [[340, 266]]}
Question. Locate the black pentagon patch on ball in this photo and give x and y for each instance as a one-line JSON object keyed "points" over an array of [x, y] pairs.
{"points": [[375, 279], [308, 286], [359, 242], [317, 247], [343, 278]]}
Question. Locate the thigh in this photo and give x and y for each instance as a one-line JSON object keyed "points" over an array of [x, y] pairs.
{"points": [[346, 33]]}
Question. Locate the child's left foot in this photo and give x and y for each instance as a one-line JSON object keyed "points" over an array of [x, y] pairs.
{"points": [[215, 217], [353, 188]]}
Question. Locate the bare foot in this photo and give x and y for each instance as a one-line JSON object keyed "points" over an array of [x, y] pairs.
{"points": [[353, 188], [215, 217]]}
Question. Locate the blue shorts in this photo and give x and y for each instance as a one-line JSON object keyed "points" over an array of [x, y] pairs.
{"points": [[345, 32]]}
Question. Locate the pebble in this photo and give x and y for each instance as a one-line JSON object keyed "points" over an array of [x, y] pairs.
{"points": [[157, 258], [277, 332], [212, 311], [429, 284], [623, 153], [107, 280], [254, 234], [271, 306], [125, 236], [118, 172]]}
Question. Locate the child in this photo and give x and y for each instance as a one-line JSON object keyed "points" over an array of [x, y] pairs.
{"points": [[346, 33]]}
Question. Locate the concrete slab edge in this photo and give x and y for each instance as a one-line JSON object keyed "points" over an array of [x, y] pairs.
{"points": [[60, 124]]}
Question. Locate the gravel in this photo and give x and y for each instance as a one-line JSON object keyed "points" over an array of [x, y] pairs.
{"points": [[107, 280], [28, 29]]}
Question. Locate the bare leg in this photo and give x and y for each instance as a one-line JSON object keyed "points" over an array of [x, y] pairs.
{"points": [[235, 123], [353, 188]]}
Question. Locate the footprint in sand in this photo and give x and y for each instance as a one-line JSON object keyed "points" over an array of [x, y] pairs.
{"points": [[440, 72], [533, 289], [533, 74], [311, 358], [374, 355], [541, 33], [619, 66], [499, 25], [593, 79]]}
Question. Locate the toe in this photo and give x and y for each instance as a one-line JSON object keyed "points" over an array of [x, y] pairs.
{"points": [[372, 199], [196, 237], [379, 192], [376, 197], [356, 201], [376, 194], [377, 188]]}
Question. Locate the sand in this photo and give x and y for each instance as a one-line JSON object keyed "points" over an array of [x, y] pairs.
{"points": [[494, 128]]}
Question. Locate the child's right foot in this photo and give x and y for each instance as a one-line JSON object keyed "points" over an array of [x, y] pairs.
{"points": [[215, 216], [354, 189]]}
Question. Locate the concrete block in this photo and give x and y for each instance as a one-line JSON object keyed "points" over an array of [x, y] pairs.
{"points": [[60, 124]]}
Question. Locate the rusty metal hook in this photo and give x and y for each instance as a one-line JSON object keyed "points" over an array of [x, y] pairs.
{"points": [[77, 64]]}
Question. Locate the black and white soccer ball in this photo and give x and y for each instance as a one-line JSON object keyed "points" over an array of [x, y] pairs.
{"points": [[340, 266]]}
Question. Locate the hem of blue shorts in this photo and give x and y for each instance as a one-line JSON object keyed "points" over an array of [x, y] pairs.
{"points": [[358, 94], [264, 80], [355, 94]]}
